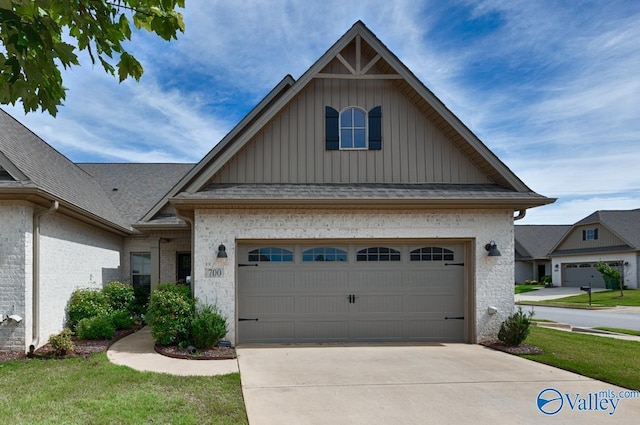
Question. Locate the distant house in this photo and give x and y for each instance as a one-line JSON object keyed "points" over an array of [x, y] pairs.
{"points": [[349, 205], [533, 243], [609, 236]]}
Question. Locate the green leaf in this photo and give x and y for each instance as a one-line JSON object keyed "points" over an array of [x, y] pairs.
{"points": [[129, 66]]}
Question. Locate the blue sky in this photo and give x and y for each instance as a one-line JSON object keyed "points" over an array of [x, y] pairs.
{"points": [[552, 87]]}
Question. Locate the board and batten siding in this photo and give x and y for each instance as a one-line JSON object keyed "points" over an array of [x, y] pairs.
{"points": [[605, 238], [291, 147]]}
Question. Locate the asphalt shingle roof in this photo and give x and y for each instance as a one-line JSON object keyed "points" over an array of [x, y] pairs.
{"points": [[48, 170], [536, 241], [135, 188], [359, 191], [625, 223]]}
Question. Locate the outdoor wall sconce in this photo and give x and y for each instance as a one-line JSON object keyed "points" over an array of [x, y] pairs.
{"points": [[222, 252], [493, 249], [556, 266]]}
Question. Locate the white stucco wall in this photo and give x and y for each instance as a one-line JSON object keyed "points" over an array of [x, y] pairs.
{"points": [[631, 270], [72, 255], [15, 272], [493, 275]]}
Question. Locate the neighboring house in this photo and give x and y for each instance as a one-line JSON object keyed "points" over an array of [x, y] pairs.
{"points": [[349, 205], [532, 246], [609, 236]]}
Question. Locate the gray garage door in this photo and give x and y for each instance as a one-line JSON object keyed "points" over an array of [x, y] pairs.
{"points": [[350, 292], [581, 274]]}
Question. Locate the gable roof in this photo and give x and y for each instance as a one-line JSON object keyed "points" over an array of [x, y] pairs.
{"points": [[390, 67], [534, 242], [625, 224], [41, 174]]}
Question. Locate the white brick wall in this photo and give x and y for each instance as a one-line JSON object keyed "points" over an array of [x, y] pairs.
{"points": [[72, 255], [171, 243], [15, 271], [493, 275]]}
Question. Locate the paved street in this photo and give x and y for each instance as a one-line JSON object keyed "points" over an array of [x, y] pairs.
{"points": [[621, 317]]}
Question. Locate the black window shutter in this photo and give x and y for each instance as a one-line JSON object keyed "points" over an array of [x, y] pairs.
{"points": [[595, 234], [584, 235], [375, 129], [332, 132]]}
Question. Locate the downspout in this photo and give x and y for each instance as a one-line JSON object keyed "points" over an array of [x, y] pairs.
{"points": [[35, 278], [193, 246], [520, 216]]}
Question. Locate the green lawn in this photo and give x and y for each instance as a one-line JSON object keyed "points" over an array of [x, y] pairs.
{"points": [[598, 299], [527, 288], [93, 390], [606, 359]]}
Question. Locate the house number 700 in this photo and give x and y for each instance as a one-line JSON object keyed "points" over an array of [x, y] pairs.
{"points": [[213, 272]]}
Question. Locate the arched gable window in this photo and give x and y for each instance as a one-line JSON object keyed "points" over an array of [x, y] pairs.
{"points": [[273, 254], [378, 253], [432, 253], [353, 128]]}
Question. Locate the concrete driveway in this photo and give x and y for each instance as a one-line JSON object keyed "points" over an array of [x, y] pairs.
{"points": [[439, 384]]}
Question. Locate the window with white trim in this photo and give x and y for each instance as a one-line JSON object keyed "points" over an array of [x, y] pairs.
{"points": [[141, 272], [353, 129]]}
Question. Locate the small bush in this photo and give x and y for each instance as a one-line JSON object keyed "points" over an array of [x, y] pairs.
{"points": [[62, 343], [86, 303], [208, 327], [122, 319], [98, 327], [120, 296], [515, 329], [171, 310]]}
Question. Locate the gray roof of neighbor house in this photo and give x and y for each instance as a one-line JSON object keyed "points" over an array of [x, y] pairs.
{"points": [[33, 168], [534, 242], [135, 188], [624, 223]]}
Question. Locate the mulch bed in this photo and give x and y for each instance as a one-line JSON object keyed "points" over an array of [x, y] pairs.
{"points": [[82, 348], [216, 353], [517, 350]]}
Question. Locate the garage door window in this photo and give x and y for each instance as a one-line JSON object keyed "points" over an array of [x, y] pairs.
{"points": [[378, 253], [324, 254], [431, 253], [272, 254]]}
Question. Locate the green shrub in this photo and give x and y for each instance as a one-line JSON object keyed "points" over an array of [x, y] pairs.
{"points": [[97, 327], [208, 327], [62, 343], [122, 319], [515, 329], [171, 310], [86, 303], [120, 296]]}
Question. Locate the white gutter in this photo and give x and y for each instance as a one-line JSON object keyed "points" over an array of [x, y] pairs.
{"points": [[35, 293], [520, 216]]}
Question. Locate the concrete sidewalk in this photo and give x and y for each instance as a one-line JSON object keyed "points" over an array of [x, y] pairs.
{"points": [[137, 352], [439, 384]]}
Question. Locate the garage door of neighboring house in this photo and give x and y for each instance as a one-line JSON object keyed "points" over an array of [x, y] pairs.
{"points": [[581, 274], [351, 292]]}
